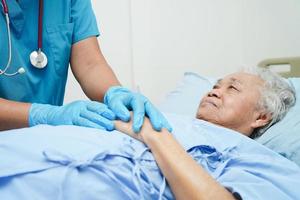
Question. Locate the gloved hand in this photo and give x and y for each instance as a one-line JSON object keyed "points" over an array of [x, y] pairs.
{"points": [[121, 100], [81, 113]]}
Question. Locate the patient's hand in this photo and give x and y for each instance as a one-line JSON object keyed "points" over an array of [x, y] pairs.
{"points": [[146, 131], [126, 127]]}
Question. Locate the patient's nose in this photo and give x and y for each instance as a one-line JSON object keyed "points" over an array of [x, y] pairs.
{"points": [[215, 93]]}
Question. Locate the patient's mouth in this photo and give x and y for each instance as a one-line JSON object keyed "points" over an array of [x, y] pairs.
{"points": [[210, 102]]}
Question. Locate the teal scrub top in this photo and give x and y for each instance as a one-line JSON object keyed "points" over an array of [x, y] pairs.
{"points": [[65, 22]]}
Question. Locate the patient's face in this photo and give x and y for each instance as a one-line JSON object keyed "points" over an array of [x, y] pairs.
{"points": [[232, 102]]}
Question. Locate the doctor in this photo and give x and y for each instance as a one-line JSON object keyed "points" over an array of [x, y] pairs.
{"points": [[42, 38]]}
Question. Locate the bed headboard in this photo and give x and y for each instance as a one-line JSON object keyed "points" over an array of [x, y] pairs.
{"points": [[291, 63]]}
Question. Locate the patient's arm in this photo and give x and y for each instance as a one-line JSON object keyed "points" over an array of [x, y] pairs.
{"points": [[187, 179]]}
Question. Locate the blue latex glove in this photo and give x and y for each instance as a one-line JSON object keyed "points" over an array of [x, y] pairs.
{"points": [[81, 113], [121, 100]]}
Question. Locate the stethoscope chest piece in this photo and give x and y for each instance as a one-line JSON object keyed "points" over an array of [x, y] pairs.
{"points": [[38, 59]]}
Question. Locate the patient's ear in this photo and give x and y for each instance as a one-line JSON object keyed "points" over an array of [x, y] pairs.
{"points": [[262, 120]]}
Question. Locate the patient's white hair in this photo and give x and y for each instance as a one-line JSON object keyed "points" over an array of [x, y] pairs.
{"points": [[277, 96]]}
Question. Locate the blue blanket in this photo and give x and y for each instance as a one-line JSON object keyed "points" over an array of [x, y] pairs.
{"points": [[68, 162]]}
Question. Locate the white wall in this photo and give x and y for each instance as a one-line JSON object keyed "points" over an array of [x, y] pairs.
{"points": [[150, 43], [173, 36], [271, 28]]}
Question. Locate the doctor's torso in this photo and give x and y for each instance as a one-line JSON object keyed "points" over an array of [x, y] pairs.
{"points": [[36, 85]]}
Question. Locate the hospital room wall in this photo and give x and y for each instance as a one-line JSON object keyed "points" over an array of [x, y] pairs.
{"points": [[151, 43]]}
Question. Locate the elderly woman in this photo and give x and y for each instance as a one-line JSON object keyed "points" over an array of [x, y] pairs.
{"points": [[247, 102], [208, 157]]}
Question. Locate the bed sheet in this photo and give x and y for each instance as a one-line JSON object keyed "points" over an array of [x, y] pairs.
{"points": [[69, 162]]}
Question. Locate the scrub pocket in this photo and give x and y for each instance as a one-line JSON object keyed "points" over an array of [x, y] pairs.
{"points": [[60, 41]]}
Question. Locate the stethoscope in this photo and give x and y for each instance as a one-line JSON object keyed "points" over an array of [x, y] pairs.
{"points": [[37, 58]]}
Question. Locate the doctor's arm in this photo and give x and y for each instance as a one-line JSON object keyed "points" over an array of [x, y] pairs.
{"points": [[91, 69], [187, 179], [81, 113], [13, 114]]}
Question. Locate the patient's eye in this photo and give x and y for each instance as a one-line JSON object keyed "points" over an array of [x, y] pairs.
{"points": [[216, 87], [233, 88]]}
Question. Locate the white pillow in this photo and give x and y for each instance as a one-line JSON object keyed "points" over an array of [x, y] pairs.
{"points": [[185, 98]]}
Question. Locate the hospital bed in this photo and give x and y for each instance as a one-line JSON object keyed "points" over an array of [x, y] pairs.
{"points": [[283, 138], [293, 64]]}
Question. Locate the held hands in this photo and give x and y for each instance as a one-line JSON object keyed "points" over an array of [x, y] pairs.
{"points": [[146, 133], [81, 113], [97, 115], [121, 100]]}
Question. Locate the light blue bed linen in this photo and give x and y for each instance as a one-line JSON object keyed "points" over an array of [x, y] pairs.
{"points": [[68, 162]]}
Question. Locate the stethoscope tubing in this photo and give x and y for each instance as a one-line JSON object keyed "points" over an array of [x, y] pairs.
{"points": [[9, 48], [5, 8], [40, 25]]}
